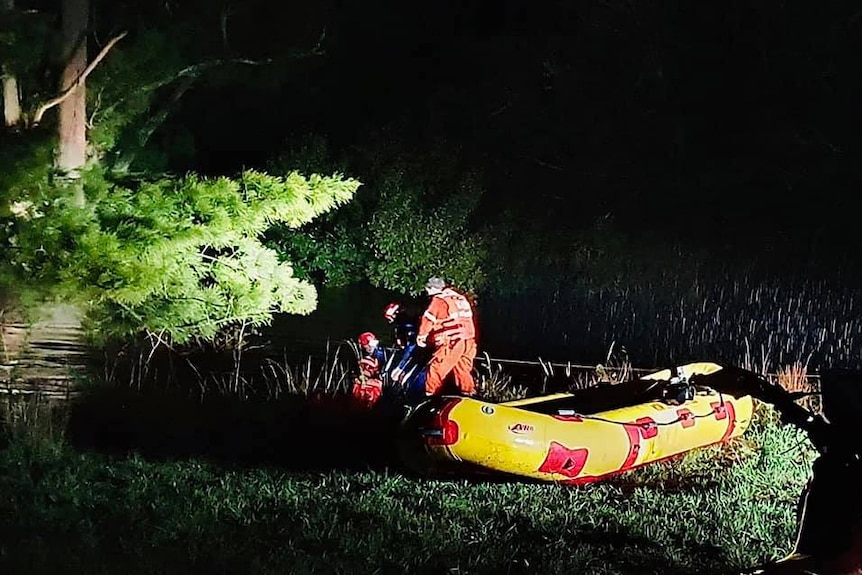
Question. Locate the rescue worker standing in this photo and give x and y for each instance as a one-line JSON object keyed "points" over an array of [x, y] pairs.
{"points": [[448, 324]]}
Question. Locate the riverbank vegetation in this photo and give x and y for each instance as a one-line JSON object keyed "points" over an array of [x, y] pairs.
{"points": [[257, 488]]}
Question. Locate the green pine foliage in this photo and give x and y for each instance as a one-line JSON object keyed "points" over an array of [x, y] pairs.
{"points": [[179, 257]]}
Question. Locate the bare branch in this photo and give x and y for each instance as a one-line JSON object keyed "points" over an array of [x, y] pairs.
{"points": [[195, 70], [40, 111], [319, 48], [547, 165], [226, 13]]}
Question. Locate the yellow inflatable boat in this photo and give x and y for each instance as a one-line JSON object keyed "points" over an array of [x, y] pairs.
{"points": [[577, 437]]}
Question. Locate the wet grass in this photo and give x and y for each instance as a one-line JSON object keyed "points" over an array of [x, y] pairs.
{"points": [[160, 489]]}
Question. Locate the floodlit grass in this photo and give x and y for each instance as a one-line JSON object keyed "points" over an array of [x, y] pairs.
{"points": [[68, 511]]}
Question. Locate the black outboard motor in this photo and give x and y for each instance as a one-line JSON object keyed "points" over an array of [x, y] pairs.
{"points": [[830, 518], [829, 536]]}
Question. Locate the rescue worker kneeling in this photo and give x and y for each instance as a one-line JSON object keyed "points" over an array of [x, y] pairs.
{"points": [[367, 386], [448, 324]]}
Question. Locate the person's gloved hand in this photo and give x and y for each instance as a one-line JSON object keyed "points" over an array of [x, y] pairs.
{"points": [[397, 374], [420, 340]]}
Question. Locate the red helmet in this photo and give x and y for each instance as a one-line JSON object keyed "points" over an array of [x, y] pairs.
{"points": [[366, 338], [391, 311]]}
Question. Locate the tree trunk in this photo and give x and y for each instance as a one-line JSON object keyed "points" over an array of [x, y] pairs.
{"points": [[72, 130], [11, 99], [11, 103]]}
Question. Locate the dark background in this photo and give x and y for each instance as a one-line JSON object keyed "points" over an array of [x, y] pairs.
{"points": [[706, 123]]}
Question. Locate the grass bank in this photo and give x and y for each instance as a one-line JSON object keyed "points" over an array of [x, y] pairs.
{"points": [[65, 508]]}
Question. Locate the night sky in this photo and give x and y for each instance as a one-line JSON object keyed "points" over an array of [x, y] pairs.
{"points": [[694, 121]]}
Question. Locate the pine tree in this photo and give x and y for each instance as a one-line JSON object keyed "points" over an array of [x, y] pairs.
{"points": [[176, 257]]}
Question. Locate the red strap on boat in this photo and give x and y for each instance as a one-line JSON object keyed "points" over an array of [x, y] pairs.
{"points": [[575, 418], [719, 409], [634, 433], [731, 420], [647, 427], [686, 417]]}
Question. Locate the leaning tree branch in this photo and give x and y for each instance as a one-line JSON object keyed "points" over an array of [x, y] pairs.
{"points": [[196, 70], [40, 111], [186, 77], [192, 71]]}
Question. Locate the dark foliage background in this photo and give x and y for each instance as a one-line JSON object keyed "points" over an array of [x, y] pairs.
{"points": [[697, 121]]}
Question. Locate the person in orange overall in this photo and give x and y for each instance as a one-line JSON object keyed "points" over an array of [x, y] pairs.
{"points": [[448, 324], [367, 386]]}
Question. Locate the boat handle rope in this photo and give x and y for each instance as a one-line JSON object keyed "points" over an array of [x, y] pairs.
{"points": [[644, 425]]}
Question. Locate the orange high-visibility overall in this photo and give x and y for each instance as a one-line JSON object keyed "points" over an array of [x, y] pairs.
{"points": [[448, 323], [367, 387]]}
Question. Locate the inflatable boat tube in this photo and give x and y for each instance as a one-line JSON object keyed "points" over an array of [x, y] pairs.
{"points": [[578, 437]]}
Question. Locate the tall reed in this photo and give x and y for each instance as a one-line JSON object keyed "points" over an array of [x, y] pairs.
{"points": [[746, 320]]}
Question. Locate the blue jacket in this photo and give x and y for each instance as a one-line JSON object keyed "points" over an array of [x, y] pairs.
{"points": [[413, 360], [405, 339]]}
